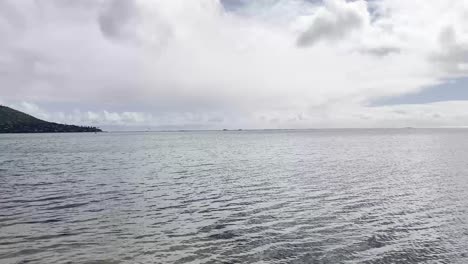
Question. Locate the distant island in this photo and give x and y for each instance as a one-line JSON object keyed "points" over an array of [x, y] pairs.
{"points": [[14, 121]]}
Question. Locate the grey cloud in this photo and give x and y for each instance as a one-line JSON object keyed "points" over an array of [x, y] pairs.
{"points": [[125, 21], [453, 57], [116, 18], [380, 51], [233, 4], [333, 23], [11, 15], [447, 36], [84, 4]]}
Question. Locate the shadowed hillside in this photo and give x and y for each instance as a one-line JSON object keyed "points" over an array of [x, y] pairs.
{"points": [[13, 121]]}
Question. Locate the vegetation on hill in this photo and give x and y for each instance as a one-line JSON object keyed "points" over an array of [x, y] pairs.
{"points": [[13, 121]]}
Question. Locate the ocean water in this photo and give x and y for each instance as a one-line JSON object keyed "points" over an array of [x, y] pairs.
{"points": [[306, 196]]}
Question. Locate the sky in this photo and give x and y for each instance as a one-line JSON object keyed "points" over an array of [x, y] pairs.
{"points": [[214, 64]]}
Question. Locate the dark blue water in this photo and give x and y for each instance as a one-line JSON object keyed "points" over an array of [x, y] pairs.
{"points": [[319, 196]]}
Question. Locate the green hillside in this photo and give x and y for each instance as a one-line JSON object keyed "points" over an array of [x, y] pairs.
{"points": [[13, 121]]}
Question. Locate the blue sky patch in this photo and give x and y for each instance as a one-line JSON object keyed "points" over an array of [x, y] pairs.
{"points": [[454, 90]]}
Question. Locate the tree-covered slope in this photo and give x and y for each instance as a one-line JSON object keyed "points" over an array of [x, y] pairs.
{"points": [[13, 121]]}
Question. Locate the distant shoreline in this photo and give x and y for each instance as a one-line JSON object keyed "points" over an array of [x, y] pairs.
{"points": [[14, 121], [273, 129]]}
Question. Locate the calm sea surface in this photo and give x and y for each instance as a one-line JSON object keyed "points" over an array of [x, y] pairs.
{"points": [[318, 196]]}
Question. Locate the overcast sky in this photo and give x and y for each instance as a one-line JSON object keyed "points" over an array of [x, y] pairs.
{"points": [[210, 64]]}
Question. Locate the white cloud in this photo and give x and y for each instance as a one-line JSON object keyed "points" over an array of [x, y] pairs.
{"points": [[181, 62], [439, 114]]}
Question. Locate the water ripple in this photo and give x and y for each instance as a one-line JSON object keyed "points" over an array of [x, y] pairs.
{"points": [[337, 196]]}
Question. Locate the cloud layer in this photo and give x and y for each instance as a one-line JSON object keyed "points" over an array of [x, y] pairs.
{"points": [[205, 63]]}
